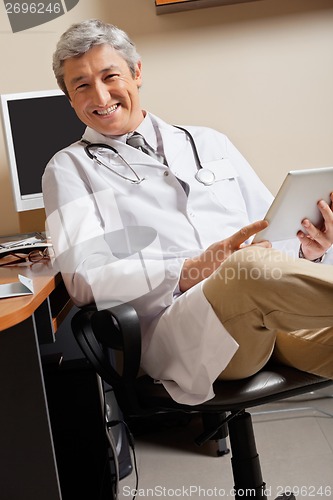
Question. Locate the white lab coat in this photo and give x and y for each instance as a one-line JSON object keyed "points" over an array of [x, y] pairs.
{"points": [[119, 241]]}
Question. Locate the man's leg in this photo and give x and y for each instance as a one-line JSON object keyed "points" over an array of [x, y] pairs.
{"points": [[258, 292], [307, 350]]}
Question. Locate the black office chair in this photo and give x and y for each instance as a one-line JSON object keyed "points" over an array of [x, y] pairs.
{"points": [[100, 333]]}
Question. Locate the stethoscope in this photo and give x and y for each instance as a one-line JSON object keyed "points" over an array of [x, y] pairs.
{"points": [[89, 147], [203, 175]]}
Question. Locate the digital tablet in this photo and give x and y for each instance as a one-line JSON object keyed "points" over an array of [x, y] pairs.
{"points": [[296, 200]]}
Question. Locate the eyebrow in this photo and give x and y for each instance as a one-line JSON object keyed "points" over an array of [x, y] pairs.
{"points": [[113, 67]]}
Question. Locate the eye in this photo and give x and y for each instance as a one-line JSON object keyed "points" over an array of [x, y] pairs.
{"points": [[111, 76], [81, 87]]}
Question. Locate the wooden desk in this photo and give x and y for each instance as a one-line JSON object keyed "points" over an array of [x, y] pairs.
{"points": [[28, 467]]}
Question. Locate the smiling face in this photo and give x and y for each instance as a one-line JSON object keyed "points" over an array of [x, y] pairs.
{"points": [[103, 91]]}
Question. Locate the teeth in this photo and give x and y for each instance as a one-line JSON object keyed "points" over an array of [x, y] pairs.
{"points": [[108, 111]]}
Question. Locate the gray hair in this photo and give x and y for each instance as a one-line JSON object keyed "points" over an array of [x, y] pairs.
{"points": [[81, 37]]}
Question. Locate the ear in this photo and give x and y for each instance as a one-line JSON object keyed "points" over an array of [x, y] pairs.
{"points": [[138, 74]]}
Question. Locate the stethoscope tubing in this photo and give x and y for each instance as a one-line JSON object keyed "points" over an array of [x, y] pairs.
{"points": [[203, 175], [96, 145]]}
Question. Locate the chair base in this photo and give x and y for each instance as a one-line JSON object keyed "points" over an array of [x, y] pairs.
{"points": [[222, 447], [213, 421]]}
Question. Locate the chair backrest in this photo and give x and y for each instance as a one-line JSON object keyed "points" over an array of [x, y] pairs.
{"points": [[100, 334]]}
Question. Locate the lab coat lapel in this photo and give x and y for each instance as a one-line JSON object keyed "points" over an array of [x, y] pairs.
{"points": [[174, 146]]}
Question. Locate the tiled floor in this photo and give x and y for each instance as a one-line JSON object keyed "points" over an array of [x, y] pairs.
{"points": [[295, 446]]}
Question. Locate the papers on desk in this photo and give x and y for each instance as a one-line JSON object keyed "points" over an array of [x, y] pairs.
{"points": [[22, 287], [24, 245]]}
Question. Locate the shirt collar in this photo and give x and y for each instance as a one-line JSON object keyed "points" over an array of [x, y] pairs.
{"points": [[146, 129]]}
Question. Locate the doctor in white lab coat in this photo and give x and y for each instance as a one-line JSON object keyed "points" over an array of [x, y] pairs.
{"points": [[123, 223]]}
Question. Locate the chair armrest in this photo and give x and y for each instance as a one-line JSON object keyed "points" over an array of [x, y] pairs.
{"points": [[117, 329]]}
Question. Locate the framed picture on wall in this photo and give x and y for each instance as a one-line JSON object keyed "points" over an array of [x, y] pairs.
{"points": [[165, 6]]}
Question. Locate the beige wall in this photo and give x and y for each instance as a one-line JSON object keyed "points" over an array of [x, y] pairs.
{"points": [[260, 72]]}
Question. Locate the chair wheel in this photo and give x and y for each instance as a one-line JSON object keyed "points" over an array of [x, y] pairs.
{"points": [[286, 496]]}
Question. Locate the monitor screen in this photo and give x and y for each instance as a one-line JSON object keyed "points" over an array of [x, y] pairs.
{"points": [[36, 126]]}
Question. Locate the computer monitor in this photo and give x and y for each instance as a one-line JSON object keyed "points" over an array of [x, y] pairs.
{"points": [[36, 126]]}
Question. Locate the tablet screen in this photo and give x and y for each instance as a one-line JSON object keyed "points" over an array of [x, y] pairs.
{"points": [[296, 200]]}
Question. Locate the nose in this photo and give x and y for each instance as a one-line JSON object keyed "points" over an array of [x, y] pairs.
{"points": [[101, 95]]}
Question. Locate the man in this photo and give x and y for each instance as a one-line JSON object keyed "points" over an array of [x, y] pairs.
{"points": [[172, 236]]}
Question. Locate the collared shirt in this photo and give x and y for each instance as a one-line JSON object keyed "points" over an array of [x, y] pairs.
{"points": [[148, 132]]}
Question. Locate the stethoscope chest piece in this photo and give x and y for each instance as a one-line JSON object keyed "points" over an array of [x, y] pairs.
{"points": [[205, 176]]}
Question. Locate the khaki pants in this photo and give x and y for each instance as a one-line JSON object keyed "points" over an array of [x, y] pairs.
{"points": [[275, 306]]}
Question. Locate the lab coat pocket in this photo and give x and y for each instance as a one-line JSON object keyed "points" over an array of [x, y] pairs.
{"points": [[225, 190]]}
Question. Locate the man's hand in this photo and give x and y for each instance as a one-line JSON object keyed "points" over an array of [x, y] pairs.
{"points": [[196, 269], [316, 241]]}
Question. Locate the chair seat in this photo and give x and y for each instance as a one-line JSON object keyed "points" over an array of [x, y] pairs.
{"points": [[276, 383]]}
